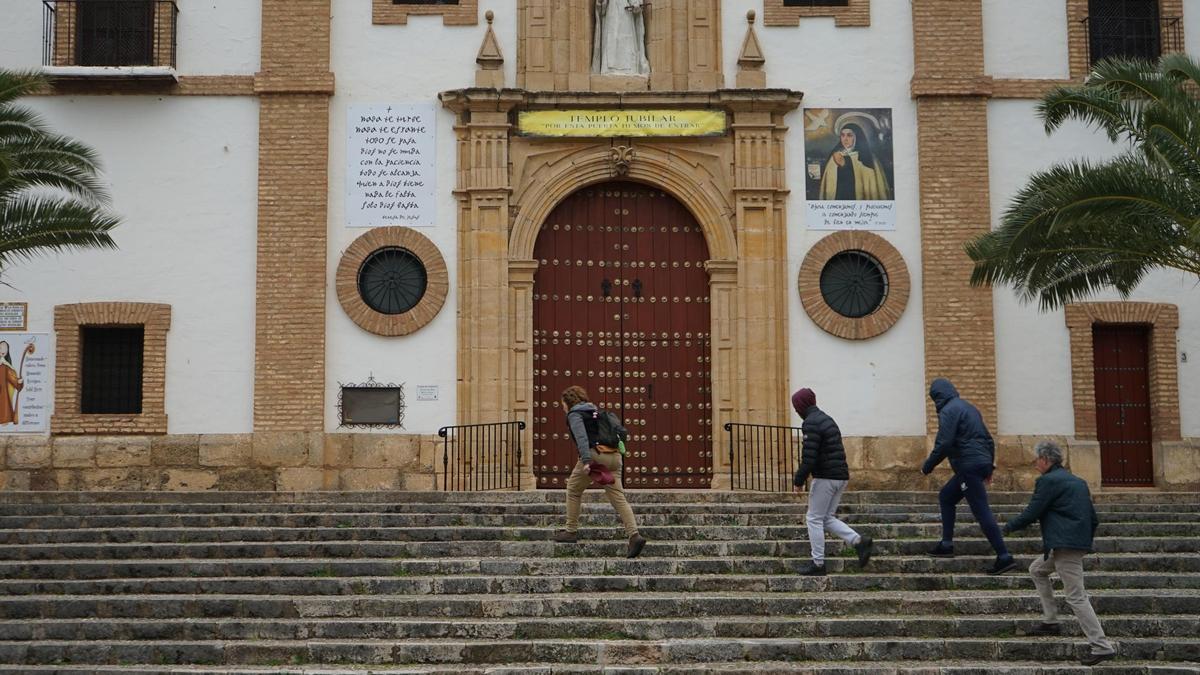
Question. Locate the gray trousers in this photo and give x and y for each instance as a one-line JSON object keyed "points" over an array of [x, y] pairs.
{"points": [[1069, 565], [822, 504]]}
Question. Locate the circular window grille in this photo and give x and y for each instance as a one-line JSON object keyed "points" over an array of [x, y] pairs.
{"points": [[392, 280], [854, 284]]}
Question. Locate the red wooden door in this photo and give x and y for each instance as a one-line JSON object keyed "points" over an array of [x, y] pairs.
{"points": [[621, 308], [1123, 404]]}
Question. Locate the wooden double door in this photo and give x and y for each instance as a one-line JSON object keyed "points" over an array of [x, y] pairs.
{"points": [[621, 308], [1123, 404]]}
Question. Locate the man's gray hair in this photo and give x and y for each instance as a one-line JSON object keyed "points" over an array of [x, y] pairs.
{"points": [[1049, 451]]}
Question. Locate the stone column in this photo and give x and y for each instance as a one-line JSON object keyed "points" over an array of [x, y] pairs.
{"points": [[723, 302], [520, 278]]}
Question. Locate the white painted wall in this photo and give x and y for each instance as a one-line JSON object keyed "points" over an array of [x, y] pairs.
{"points": [[873, 387], [402, 64], [1025, 39], [220, 37], [1033, 356], [183, 175]]}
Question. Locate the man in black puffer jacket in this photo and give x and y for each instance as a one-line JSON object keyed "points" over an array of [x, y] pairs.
{"points": [[824, 458]]}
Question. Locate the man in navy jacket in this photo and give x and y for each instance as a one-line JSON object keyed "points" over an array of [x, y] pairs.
{"points": [[1062, 504], [964, 439]]}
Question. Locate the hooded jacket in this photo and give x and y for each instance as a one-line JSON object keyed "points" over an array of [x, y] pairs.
{"points": [[962, 435], [579, 431], [823, 455]]}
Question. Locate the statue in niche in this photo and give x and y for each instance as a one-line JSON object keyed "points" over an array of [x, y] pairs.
{"points": [[619, 46]]}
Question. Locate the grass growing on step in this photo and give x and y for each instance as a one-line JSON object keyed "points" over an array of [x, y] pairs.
{"points": [[614, 634], [324, 572], [359, 588], [567, 552], [401, 571]]}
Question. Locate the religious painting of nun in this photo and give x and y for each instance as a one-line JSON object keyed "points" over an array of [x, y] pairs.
{"points": [[848, 154]]}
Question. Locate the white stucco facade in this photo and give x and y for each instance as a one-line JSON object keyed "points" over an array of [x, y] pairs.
{"points": [[184, 173]]}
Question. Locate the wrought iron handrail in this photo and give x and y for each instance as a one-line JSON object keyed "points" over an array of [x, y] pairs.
{"points": [[1114, 36], [763, 457], [109, 32], [479, 457]]}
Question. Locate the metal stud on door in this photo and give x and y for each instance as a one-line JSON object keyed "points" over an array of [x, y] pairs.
{"points": [[627, 318]]}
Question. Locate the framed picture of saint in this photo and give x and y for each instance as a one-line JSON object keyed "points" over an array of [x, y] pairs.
{"points": [[848, 161]]}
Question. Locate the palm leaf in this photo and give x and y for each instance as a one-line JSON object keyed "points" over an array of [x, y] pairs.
{"points": [[30, 226]]}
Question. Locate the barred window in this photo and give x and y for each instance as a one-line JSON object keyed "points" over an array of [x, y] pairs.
{"points": [[111, 368], [115, 32], [815, 3], [1123, 28]]}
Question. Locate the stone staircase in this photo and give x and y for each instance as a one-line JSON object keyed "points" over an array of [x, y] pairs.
{"points": [[472, 583]]}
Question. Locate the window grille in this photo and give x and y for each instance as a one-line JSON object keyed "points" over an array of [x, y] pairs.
{"points": [[116, 33], [392, 280], [111, 380], [1127, 28], [854, 284]]}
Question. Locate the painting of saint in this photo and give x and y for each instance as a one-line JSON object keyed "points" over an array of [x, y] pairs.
{"points": [[10, 383], [849, 154]]}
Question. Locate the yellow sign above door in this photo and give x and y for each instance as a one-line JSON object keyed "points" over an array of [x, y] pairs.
{"points": [[631, 123]]}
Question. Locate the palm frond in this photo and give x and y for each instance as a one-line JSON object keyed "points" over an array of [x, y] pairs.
{"points": [[15, 84], [35, 225]]}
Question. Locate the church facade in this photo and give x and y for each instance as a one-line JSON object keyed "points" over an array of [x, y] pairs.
{"points": [[348, 225]]}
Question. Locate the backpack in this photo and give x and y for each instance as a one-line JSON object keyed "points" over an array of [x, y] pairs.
{"points": [[609, 430], [604, 428]]}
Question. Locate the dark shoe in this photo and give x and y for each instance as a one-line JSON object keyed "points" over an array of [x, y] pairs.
{"points": [[636, 543], [812, 569], [1043, 629], [566, 537], [1093, 659], [865, 548], [942, 551], [1002, 565]]}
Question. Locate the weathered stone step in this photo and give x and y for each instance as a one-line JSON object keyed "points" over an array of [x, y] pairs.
{"points": [[592, 504], [540, 496], [533, 566], [605, 605], [576, 651], [554, 519], [928, 531], [346, 628], [956, 667], [593, 544], [401, 584]]}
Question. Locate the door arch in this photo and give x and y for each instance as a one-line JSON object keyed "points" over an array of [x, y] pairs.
{"points": [[621, 307]]}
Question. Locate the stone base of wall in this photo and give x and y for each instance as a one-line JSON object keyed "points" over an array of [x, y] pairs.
{"points": [[310, 461], [283, 461]]}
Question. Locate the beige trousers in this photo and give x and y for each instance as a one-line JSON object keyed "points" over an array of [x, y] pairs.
{"points": [[579, 480], [1069, 565]]}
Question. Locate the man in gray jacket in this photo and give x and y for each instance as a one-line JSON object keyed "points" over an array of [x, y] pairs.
{"points": [[1062, 504]]}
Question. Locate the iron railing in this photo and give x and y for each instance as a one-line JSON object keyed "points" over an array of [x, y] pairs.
{"points": [[477, 457], [763, 457], [109, 32], [1143, 37]]}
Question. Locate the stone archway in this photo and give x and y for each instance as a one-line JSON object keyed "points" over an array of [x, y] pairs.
{"points": [[733, 184]]}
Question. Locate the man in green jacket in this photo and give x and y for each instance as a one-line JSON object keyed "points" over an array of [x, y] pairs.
{"points": [[1062, 504]]}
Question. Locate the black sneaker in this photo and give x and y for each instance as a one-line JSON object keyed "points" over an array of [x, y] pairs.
{"points": [[811, 569], [865, 547], [942, 551], [1043, 629], [636, 543], [566, 537], [1002, 565], [1093, 659]]}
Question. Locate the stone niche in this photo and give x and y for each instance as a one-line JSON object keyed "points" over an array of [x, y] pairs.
{"points": [[554, 47]]}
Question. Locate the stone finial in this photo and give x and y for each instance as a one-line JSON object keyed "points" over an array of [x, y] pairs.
{"points": [[489, 58], [750, 74]]}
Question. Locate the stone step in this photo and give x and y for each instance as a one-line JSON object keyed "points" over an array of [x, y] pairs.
{"points": [[1104, 496], [923, 566], [469, 585], [554, 519], [594, 543], [676, 533], [956, 667], [611, 604], [278, 652], [346, 628], [592, 503]]}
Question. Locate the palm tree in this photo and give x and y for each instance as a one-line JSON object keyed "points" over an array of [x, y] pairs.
{"points": [[51, 196], [1082, 226]]}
